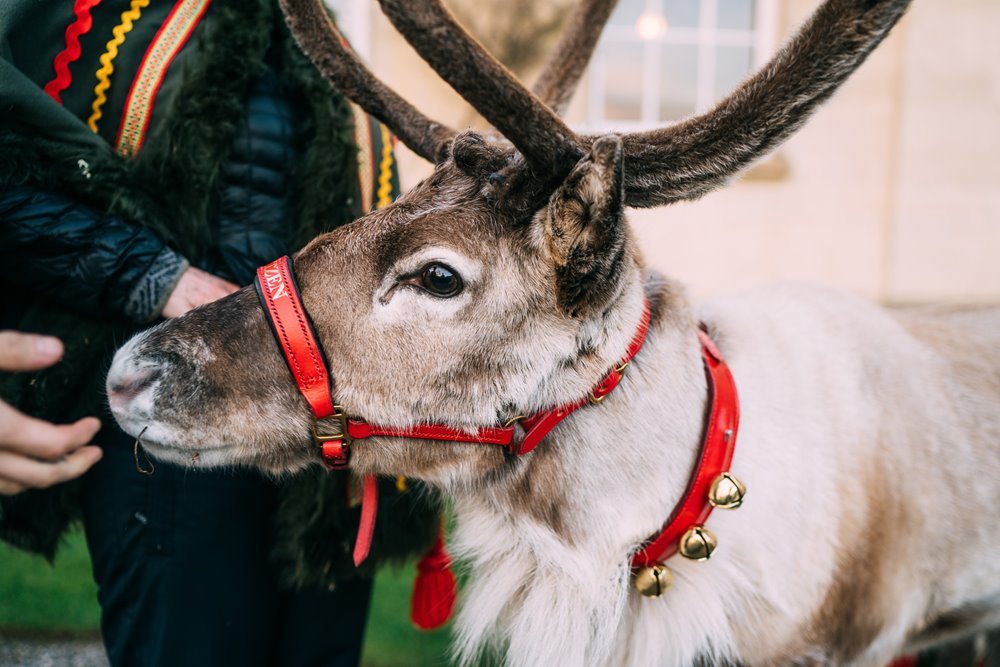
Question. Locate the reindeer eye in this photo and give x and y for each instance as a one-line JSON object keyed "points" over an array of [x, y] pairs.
{"points": [[440, 280]]}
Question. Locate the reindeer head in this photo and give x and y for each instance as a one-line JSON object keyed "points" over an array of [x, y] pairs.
{"points": [[504, 284]]}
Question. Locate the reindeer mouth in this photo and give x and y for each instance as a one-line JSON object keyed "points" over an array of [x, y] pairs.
{"points": [[155, 440]]}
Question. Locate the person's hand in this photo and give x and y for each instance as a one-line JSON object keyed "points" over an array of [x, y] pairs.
{"points": [[35, 453], [196, 288]]}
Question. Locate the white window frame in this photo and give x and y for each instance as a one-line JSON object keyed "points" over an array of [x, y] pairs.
{"points": [[706, 36]]}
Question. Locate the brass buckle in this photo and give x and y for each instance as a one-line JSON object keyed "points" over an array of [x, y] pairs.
{"points": [[595, 400], [513, 420], [341, 415], [620, 369]]}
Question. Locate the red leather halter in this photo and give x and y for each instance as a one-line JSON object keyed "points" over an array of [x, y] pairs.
{"points": [[279, 295]]}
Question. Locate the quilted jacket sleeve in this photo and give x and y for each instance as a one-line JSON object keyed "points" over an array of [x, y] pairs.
{"points": [[96, 264]]}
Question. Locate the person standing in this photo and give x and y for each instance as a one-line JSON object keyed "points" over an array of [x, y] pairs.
{"points": [[152, 155]]}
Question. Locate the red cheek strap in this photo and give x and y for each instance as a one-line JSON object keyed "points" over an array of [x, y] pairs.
{"points": [[279, 294]]}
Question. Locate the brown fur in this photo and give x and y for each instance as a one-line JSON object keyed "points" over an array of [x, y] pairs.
{"points": [[858, 602], [539, 493]]}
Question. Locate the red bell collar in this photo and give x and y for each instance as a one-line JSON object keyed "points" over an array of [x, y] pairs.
{"points": [[711, 484]]}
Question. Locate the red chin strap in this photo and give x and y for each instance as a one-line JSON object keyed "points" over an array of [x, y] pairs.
{"points": [[282, 302]]}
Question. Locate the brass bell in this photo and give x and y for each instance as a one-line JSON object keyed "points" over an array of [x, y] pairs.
{"points": [[653, 580], [698, 543], [727, 492]]}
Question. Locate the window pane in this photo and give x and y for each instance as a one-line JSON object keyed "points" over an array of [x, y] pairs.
{"points": [[736, 14], [732, 64], [681, 13], [627, 13], [623, 81], [679, 85]]}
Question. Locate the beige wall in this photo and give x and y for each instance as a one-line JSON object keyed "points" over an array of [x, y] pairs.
{"points": [[946, 196], [892, 189]]}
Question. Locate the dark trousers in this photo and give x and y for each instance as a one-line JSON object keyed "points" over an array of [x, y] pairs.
{"points": [[181, 559]]}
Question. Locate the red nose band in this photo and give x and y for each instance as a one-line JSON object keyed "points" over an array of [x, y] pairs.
{"points": [[279, 294]]}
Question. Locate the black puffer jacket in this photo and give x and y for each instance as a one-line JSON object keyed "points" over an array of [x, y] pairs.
{"points": [[253, 210], [100, 265]]}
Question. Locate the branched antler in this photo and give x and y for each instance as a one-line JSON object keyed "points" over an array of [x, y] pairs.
{"points": [[549, 147], [683, 161]]}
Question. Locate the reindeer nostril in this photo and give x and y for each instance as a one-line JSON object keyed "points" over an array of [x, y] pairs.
{"points": [[129, 385]]}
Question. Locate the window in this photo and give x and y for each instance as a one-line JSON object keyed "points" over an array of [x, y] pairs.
{"points": [[662, 60]]}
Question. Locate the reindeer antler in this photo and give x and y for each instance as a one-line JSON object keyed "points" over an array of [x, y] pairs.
{"points": [[687, 160], [320, 40], [548, 145], [683, 161], [562, 72]]}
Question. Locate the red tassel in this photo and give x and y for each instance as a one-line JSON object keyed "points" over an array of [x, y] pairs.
{"points": [[434, 590], [369, 510]]}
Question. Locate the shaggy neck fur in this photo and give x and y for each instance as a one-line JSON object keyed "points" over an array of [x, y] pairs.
{"points": [[548, 546]]}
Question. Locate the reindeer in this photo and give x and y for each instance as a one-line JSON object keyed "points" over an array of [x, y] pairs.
{"points": [[507, 283]]}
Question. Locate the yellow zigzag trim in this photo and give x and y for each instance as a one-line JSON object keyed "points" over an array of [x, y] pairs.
{"points": [[107, 58], [385, 169]]}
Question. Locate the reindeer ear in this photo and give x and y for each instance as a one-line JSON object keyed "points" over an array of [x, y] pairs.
{"points": [[585, 230]]}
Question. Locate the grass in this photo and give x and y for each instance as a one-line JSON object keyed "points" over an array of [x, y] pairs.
{"points": [[391, 641], [39, 600]]}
